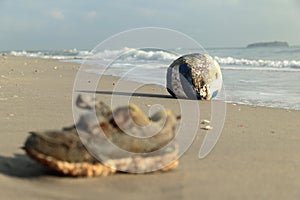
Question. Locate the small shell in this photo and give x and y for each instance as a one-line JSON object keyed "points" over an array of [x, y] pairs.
{"points": [[207, 127], [205, 121]]}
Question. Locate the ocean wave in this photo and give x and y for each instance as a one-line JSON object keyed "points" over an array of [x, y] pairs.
{"points": [[264, 64], [271, 69], [25, 53], [154, 57], [59, 55], [132, 54], [121, 55]]}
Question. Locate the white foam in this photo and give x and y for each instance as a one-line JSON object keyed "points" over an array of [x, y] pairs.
{"points": [[259, 64], [148, 58], [59, 55], [131, 54], [260, 69]]}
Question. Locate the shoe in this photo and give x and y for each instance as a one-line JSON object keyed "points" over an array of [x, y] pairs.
{"points": [[106, 141]]}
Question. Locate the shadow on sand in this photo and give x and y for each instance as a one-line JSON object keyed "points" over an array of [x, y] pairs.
{"points": [[135, 94], [22, 166]]}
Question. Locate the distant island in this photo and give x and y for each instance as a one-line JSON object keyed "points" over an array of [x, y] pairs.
{"points": [[268, 44]]}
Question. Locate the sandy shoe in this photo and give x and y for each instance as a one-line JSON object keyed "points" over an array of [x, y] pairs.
{"points": [[149, 140]]}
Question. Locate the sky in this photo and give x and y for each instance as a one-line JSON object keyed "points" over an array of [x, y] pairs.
{"points": [[68, 24]]}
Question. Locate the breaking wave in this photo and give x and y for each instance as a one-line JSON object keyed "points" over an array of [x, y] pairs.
{"points": [[246, 64], [125, 54], [134, 55], [151, 57], [60, 54]]}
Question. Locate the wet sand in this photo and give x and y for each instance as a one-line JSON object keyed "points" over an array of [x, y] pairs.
{"points": [[256, 156]]}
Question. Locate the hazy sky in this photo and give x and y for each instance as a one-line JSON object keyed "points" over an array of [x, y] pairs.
{"points": [[65, 24]]}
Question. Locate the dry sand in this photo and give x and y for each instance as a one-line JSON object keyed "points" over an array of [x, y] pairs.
{"points": [[256, 156]]}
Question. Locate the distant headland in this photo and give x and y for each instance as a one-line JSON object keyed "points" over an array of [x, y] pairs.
{"points": [[268, 44]]}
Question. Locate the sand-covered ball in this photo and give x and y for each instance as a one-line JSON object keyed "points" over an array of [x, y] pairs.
{"points": [[194, 76]]}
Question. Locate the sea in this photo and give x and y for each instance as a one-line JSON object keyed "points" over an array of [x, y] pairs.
{"points": [[263, 76]]}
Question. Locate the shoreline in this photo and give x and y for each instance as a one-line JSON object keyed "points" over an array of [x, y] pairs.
{"points": [[76, 65], [255, 157], [247, 79]]}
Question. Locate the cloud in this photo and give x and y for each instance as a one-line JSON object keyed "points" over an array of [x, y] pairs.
{"points": [[233, 2], [226, 2], [57, 14], [148, 12], [297, 4], [91, 14]]}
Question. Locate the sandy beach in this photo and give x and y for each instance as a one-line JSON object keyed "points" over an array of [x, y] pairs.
{"points": [[256, 156]]}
